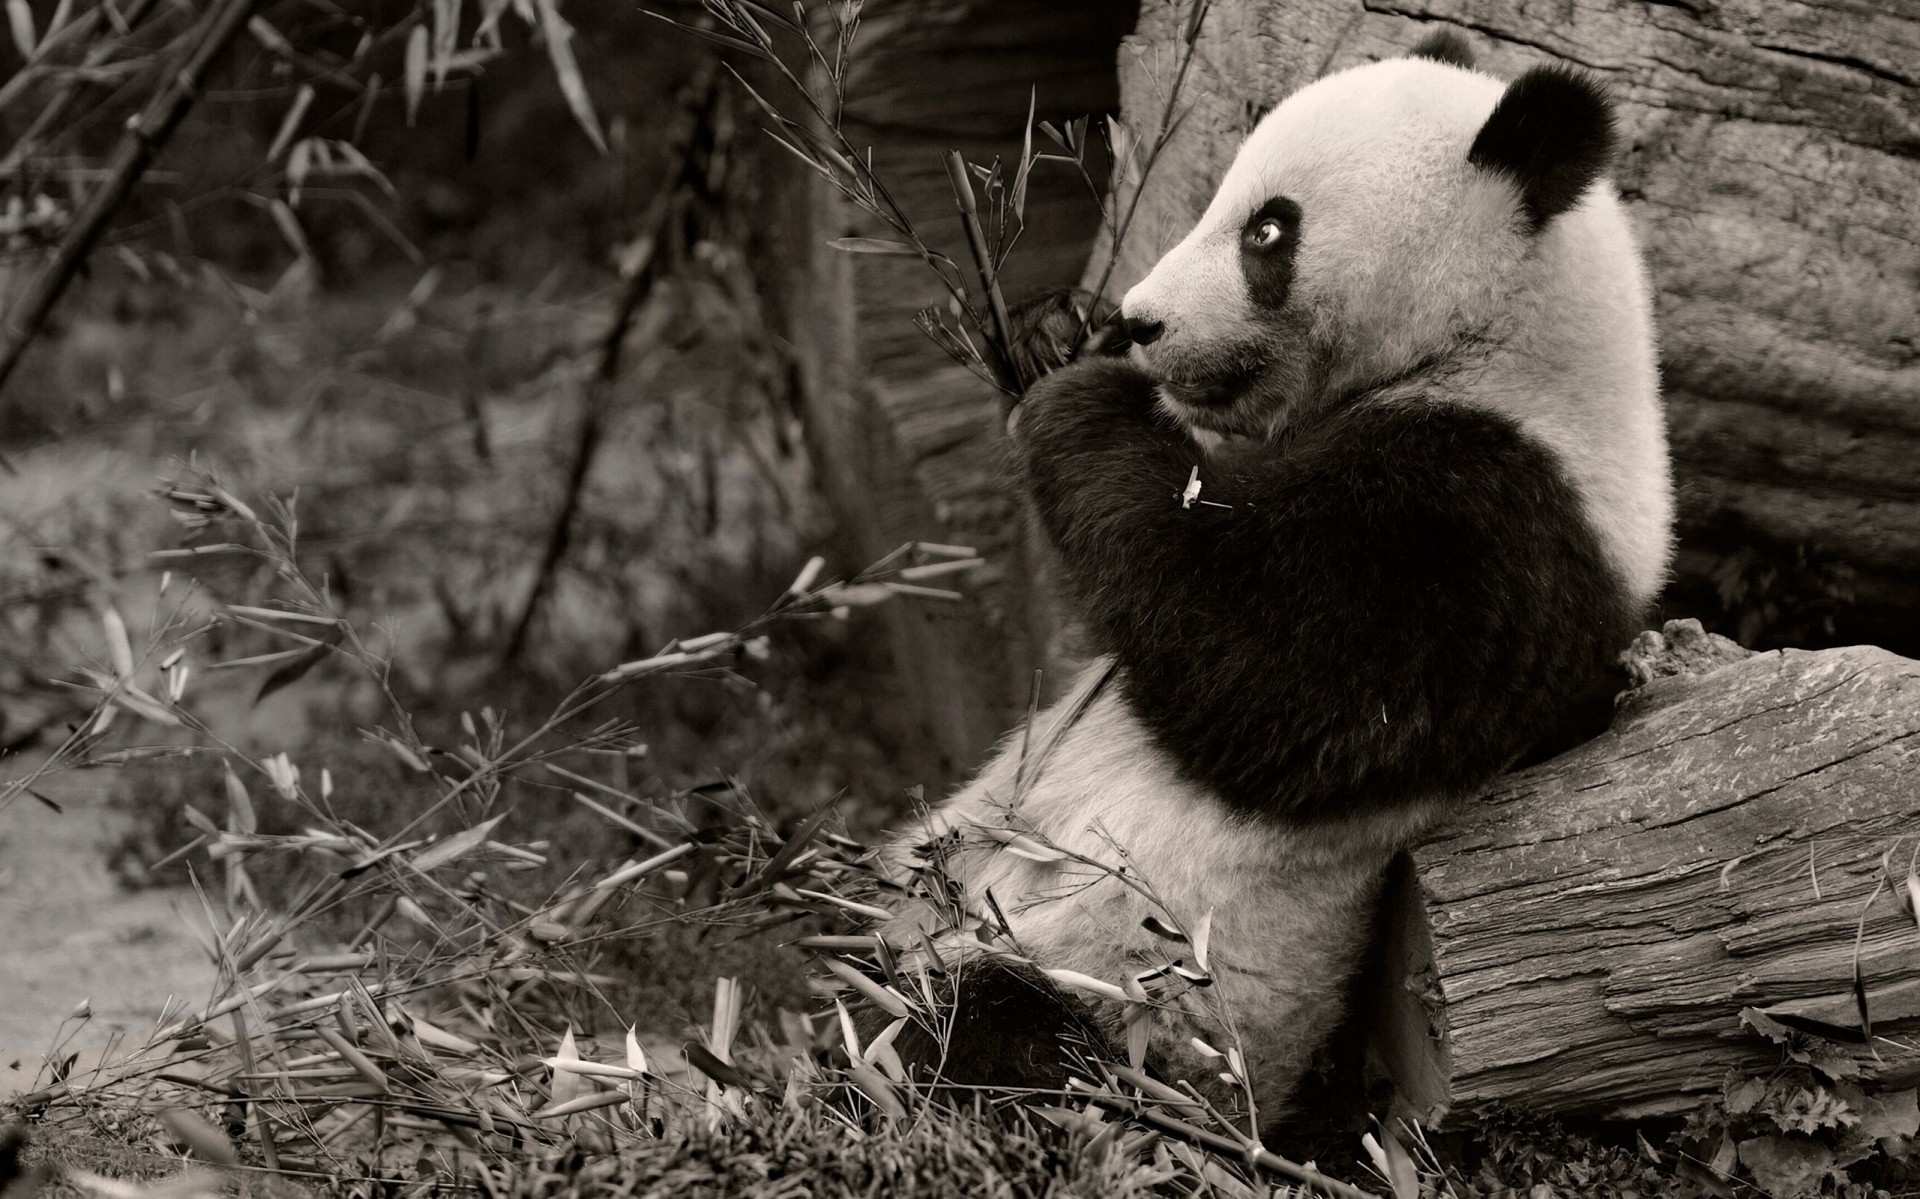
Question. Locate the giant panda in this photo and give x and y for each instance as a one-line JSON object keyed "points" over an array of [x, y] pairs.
{"points": [[1379, 489]]}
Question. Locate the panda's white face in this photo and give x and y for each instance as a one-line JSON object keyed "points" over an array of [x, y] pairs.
{"points": [[1351, 239]]}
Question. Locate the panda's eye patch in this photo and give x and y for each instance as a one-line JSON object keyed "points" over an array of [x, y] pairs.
{"points": [[1270, 228]]}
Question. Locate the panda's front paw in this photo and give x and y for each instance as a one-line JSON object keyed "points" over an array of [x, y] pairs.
{"points": [[1055, 328]]}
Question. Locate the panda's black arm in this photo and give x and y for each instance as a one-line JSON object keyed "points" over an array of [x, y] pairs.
{"points": [[1393, 607]]}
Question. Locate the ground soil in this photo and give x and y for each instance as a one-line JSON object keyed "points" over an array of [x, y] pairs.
{"points": [[71, 932]]}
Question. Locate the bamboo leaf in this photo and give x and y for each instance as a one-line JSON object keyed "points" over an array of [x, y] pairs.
{"points": [[784, 856], [559, 37], [703, 1059], [875, 1087], [457, 846], [1026, 160], [888, 1002], [118, 645], [290, 124], [584, 1103], [1139, 1030], [415, 77], [299, 163], [20, 21], [269, 37], [567, 1086], [446, 36], [206, 1142], [240, 814], [292, 672], [788, 22], [636, 1057], [1082, 982], [714, 36]]}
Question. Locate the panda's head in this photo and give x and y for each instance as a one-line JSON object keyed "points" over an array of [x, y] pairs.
{"points": [[1373, 222]]}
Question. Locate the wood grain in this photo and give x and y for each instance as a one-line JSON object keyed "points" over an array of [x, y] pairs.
{"points": [[1595, 926]]}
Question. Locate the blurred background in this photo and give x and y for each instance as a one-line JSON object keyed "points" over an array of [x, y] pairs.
{"points": [[545, 337]]}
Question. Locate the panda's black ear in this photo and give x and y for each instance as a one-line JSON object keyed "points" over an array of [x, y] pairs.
{"points": [[1444, 45], [1552, 134]]}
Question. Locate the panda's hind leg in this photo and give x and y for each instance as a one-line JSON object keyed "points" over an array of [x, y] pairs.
{"points": [[1002, 1024]]}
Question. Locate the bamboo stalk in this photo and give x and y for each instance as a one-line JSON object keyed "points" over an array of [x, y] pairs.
{"points": [[1002, 339], [138, 147]]}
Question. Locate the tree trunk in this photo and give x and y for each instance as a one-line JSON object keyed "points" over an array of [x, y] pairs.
{"points": [[1586, 939], [1771, 160], [907, 441]]}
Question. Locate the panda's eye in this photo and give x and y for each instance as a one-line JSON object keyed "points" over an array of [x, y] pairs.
{"points": [[1265, 235]]}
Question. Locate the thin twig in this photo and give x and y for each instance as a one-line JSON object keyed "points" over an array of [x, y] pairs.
{"points": [[1169, 121], [670, 205], [1221, 1144]]}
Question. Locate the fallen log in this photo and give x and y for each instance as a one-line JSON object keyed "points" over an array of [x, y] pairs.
{"points": [[1602, 934]]}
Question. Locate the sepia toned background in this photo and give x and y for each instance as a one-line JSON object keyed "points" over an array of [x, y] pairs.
{"points": [[522, 318]]}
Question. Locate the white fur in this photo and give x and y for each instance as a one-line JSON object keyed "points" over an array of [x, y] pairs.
{"points": [[1289, 909]]}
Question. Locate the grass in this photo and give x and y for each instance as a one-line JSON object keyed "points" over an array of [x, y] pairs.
{"points": [[417, 948]]}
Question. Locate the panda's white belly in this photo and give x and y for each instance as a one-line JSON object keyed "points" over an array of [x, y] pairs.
{"points": [[1289, 910]]}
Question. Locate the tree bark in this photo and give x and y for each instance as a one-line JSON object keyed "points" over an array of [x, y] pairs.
{"points": [[1586, 939]]}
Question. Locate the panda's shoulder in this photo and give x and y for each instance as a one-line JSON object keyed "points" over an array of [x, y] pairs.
{"points": [[1437, 454]]}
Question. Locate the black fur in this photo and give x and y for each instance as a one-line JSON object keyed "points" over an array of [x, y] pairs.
{"points": [[1269, 270], [1011, 1027], [1444, 45], [1552, 134], [1394, 605]]}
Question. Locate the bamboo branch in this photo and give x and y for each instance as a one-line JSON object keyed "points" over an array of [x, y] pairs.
{"points": [[1169, 121], [138, 147]]}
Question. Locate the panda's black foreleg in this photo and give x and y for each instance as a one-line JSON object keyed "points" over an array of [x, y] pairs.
{"points": [[1393, 606]]}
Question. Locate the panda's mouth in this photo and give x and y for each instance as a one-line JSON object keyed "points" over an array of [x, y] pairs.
{"points": [[1215, 393], [1218, 393]]}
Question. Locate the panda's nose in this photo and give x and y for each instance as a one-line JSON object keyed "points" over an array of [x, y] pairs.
{"points": [[1144, 333]]}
